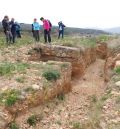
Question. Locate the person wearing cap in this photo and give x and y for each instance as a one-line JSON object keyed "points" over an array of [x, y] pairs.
{"points": [[61, 29], [47, 28], [36, 29]]}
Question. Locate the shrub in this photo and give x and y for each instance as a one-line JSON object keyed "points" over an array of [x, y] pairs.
{"points": [[51, 75], [32, 120], [13, 125], [9, 97], [117, 70], [61, 96]]}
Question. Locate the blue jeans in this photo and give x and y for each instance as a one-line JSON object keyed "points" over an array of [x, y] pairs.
{"points": [[61, 32]]}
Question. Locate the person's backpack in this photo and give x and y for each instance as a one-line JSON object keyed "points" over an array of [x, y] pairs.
{"points": [[50, 23]]}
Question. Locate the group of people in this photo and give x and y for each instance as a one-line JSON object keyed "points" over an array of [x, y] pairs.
{"points": [[47, 26], [11, 29]]}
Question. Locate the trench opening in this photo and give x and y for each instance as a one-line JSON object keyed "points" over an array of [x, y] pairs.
{"points": [[84, 63]]}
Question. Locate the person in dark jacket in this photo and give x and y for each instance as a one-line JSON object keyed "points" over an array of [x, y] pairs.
{"points": [[61, 29], [13, 29], [18, 29], [7, 29]]}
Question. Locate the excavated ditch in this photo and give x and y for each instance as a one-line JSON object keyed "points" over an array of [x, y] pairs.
{"points": [[79, 58]]}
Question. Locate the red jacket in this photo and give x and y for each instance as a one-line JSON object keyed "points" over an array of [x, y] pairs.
{"points": [[46, 25]]}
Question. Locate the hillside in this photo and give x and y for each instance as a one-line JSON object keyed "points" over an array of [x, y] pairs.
{"points": [[115, 30], [68, 30]]}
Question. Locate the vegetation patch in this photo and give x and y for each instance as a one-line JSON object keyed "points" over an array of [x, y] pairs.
{"points": [[117, 70], [51, 75], [20, 79], [8, 68], [32, 120], [61, 97], [13, 125], [76, 125], [9, 97], [103, 38]]}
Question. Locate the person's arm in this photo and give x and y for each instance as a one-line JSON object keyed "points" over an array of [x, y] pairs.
{"points": [[63, 25]]}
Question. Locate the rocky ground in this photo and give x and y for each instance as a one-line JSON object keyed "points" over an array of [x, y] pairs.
{"points": [[92, 104], [75, 108]]}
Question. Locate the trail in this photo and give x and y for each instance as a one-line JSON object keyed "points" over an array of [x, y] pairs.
{"points": [[76, 106]]}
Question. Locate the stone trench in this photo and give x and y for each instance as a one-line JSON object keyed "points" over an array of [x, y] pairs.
{"points": [[78, 60]]}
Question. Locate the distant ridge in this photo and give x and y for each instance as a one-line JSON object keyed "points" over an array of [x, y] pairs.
{"points": [[115, 30]]}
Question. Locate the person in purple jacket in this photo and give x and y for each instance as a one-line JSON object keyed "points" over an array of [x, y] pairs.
{"points": [[61, 29]]}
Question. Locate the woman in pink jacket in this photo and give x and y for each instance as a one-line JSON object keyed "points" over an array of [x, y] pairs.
{"points": [[46, 27]]}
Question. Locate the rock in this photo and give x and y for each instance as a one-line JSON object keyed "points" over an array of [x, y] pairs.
{"points": [[117, 83], [105, 107], [46, 110], [117, 57], [36, 87], [103, 125]]}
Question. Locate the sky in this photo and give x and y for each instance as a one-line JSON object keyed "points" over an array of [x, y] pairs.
{"points": [[73, 13]]}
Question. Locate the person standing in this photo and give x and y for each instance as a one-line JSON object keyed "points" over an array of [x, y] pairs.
{"points": [[36, 30], [13, 29], [18, 29], [47, 29], [61, 29], [7, 29]]}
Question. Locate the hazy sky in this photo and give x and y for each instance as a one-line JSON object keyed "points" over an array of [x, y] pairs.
{"points": [[76, 13]]}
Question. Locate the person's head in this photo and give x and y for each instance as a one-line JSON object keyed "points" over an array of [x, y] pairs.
{"points": [[35, 20], [59, 22], [6, 18], [16, 22], [41, 18], [12, 19]]}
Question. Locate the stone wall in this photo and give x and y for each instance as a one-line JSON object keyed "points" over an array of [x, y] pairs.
{"points": [[80, 58]]}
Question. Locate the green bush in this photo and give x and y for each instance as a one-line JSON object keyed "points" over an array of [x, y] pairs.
{"points": [[32, 120], [51, 75], [9, 97], [61, 96], [103, 38], [13, 125], [117, 70]]}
